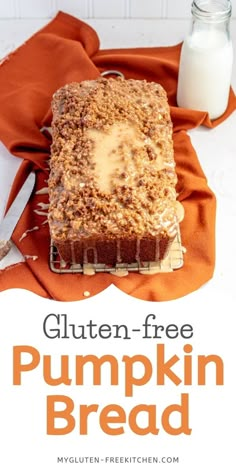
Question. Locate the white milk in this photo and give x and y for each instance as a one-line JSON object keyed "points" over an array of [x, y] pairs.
{"points": [[205, 72]]}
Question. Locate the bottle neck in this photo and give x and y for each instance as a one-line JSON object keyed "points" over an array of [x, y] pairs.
{"points": [[211, 15], [212, 11]]}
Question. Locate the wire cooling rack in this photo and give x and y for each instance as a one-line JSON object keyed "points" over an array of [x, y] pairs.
{"points": [[173, 261]]}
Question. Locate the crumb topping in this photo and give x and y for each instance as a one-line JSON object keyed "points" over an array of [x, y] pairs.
{"points": [[136, 196]]}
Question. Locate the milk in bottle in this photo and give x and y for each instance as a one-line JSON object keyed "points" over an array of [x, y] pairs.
{"points": [[206, 59]]}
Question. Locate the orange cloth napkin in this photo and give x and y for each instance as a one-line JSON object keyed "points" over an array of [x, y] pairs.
{"points": [[67, 50]]}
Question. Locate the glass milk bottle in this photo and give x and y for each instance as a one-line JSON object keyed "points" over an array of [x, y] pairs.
{"points": [[206, 59]]}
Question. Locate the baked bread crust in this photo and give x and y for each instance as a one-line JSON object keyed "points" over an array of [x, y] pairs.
{"points": [[112, 172]]}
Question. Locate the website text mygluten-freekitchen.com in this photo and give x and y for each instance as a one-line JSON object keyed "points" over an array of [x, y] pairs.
{"points": [[118, 460]]}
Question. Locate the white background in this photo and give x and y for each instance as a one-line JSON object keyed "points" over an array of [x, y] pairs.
{"points": [[211, 310], [119, 23], [98, 8], [212, 412]]}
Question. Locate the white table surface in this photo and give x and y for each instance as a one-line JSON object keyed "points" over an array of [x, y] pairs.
{"points": [[216, 148]]}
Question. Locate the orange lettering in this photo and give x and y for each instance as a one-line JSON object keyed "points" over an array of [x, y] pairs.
{"points": [[97, 363], [130, 380], [188, 365], [164, 368], [183, 409], [202, 363], [63, 378], [85, 411], [18, 367], [151, 428], [53, 414], [105, 419]]}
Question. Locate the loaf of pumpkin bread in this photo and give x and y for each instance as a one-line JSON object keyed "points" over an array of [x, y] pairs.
{"points": [[112, 173]]}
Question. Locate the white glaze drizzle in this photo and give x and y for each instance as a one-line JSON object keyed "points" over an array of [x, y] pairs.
{"points": [[35, 228], [42, 191]]}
